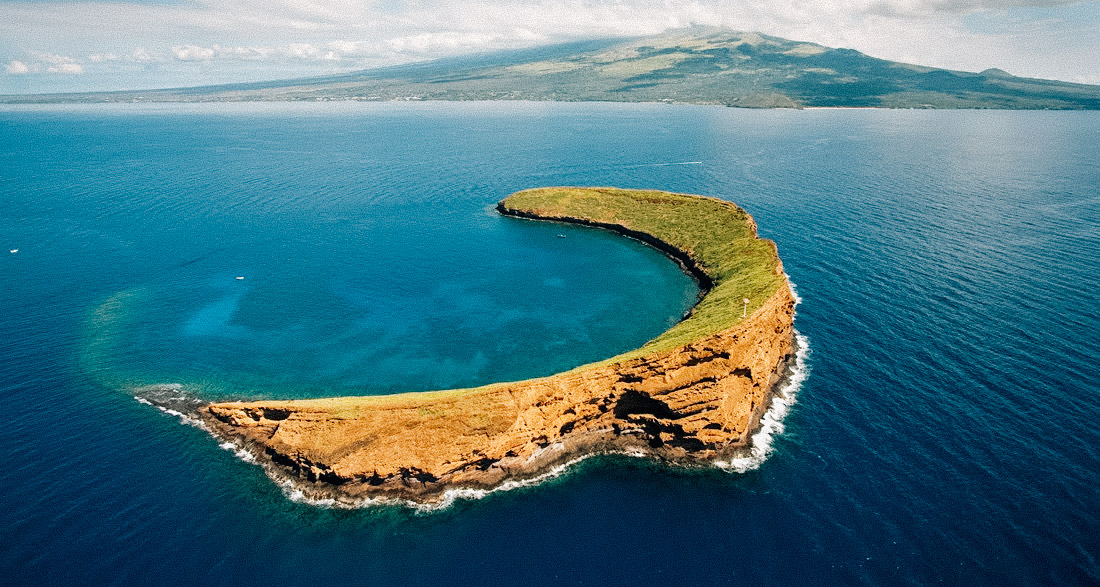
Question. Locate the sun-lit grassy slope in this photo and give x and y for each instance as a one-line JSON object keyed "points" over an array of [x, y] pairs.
{"points": [[719, 236]]}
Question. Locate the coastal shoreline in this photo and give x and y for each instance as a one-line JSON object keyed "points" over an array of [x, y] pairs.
{"points": [[739, 460], [322, 494], [693, 404]]}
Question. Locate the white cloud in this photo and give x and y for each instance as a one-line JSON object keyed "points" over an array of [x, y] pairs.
{"points": [[353, 48], [303, 51], [44, 62], [66, 68], [193, 53], [243, 53], [303, 37], [333, 51], [449, 42], [143, 55], [16, 67]]}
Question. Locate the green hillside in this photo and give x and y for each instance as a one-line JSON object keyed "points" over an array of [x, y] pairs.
{"points": [[696, 66]]}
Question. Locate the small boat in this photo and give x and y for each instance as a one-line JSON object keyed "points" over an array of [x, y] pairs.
{"points": [[561, 236], [240, 277], [14, 251]]}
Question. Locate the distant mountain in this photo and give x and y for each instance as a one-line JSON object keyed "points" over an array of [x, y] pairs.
{"points": [[696, 65]]}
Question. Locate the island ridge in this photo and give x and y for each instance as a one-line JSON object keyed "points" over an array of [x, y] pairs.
{"points": [[694, 65], [693, 395]]}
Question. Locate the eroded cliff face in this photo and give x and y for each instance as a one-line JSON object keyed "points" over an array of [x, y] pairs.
{"points": [[696, 403], [693, 395]]}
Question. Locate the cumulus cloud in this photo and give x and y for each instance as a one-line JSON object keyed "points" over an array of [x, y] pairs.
{"points": [[15, 67], [308, 52], [40, 62], [418, 45], [333, 51], [103, 57], [143, 55], [455, 41], [243, 53], [193, 53], [421, 45], [67, 68]]}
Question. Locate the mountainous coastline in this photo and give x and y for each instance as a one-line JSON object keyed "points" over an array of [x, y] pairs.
{"points": [[695, 66]]}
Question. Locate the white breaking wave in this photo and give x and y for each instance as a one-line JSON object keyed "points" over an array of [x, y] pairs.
{"points": [[447, 499], [771, 423], [239, 451], [184, 418]]}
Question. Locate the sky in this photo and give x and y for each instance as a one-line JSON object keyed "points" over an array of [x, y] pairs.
{"points": [[77, 45]]}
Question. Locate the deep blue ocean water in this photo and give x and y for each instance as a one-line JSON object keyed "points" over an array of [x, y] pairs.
{"points": [[948, 263]]}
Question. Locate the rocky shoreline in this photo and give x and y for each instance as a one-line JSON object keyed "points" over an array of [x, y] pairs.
{"points": [[695, 403]]}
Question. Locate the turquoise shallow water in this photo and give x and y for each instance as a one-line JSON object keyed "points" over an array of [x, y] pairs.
{"points": [[947, 262]]}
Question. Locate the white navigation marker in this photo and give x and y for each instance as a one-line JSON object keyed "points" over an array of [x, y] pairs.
{"points": [[746, 309]]}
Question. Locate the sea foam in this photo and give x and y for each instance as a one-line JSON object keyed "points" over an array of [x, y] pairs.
{"points": [[771, 423]]}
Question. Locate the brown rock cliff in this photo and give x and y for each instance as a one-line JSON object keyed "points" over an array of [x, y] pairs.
{"points": [[695, 403]]}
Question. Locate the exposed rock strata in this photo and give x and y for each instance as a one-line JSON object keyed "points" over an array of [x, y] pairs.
{"points": [[698, 402]]}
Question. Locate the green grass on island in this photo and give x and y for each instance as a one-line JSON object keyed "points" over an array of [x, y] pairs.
{"points": [[719, 236]]}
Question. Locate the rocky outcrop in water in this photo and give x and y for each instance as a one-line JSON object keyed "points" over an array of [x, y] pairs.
{"points": [[695, 403]]}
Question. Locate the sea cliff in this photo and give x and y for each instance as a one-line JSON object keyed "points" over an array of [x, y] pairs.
{"points": [[693, 395]]}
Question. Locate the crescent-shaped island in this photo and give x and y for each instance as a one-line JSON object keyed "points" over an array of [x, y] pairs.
{"points": [[693, 395]]}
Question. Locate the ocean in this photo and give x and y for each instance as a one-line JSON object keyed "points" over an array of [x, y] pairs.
{"points": [[943, 430]]}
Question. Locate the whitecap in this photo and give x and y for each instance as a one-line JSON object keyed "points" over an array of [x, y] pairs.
{"points": [[446, 499], [184, 418], [239, 451], [771, 423]]}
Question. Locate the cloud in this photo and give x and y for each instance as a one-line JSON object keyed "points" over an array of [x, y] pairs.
{"points": [[67, 68], [334, 51], [143, 55], [352, 53], [243, 53], [103, 57], [193, 53], [303, 37], [59, 64], [40, 62], [459, 42], [308, 52], [16, 67]]}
